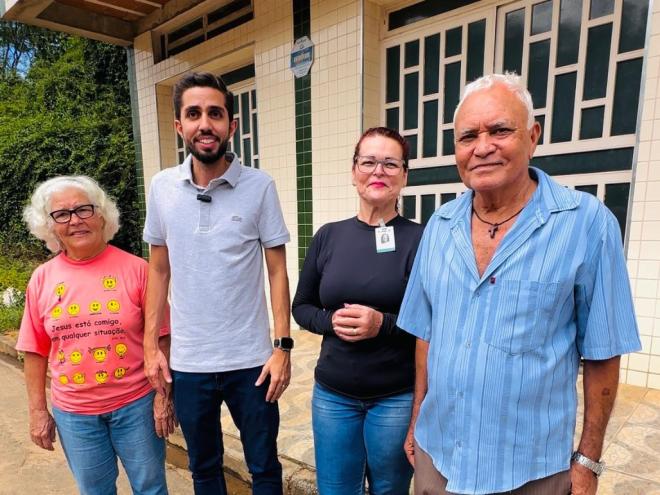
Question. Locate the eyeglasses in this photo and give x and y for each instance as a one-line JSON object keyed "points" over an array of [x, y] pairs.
{"points": [[64, 216], [367, 164]]}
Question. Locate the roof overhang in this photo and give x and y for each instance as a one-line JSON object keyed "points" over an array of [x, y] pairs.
{"points": [[113, 21]]}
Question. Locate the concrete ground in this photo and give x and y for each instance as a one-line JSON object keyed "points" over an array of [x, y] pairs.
{"points": [[632, 443]]}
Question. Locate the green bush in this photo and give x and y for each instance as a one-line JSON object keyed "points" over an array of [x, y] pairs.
{"points": [[14, 273]]}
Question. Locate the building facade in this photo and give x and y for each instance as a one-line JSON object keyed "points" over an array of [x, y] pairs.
{"points": [[592, 67]]}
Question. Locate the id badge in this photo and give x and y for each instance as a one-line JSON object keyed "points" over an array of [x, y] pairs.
{"points": [[384, 239]]}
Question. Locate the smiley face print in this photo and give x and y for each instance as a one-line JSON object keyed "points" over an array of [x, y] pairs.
{"points": [[95, 307], [59, 290], [73, 309], [60, 356], [109, 283], [99, 353], [76, 357], [121, 350], [64, 379], [113, 306], [120, 373], [56, 312], [101, 376], [79, 378]]}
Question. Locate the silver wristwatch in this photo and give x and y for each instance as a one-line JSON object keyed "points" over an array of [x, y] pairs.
{"points": [[596, 467]]}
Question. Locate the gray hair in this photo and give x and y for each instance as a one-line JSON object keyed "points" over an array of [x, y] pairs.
{"points": [[512, 82], [37, 213]]}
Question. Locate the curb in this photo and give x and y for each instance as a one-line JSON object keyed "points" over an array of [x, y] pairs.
{"points": [[298, 477]]}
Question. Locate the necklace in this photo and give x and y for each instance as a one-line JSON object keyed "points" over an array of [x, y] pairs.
{"points": [[494, 227]]}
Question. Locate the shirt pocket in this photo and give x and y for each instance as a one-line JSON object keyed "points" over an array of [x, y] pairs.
{"points": [[522, 311]]}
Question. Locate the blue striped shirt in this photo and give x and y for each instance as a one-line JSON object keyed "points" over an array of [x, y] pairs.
{"points": [[505, 347]]}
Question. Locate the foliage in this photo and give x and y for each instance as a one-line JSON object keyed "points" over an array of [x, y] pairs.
{"points": [[69, 114], [14, 273], [20, 44]]}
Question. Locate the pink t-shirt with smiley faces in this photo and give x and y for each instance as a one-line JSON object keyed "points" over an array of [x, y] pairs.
{"points": [[87, 318]]}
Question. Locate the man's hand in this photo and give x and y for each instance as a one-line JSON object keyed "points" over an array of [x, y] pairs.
{"points": [[583, 481], [409, 445], [42, 428], [278, 367], [157, 371], [164, 418], [355, 322]]}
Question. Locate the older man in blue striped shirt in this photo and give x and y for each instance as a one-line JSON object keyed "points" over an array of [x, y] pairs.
{"points": [[513, 283]]}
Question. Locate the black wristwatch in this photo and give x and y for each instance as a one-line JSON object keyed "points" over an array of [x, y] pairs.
{"points": [[284, 343]]}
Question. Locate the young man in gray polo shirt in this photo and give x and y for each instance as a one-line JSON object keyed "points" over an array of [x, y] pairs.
{"points": [[207, 221]]}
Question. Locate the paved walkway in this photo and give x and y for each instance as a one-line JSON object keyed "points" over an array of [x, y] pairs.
{"points": [[632, 444]]}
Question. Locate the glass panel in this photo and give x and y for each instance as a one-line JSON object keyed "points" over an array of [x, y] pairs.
{"points": [[412, 53], [598, 61], [562, 109], [475, 51], [245, 112], [591, 125], [247, 150], [409, 207], [428, 207], [452, 91], [633, 25], [392, 118], [237, 138], [254, 134], [393, 69], [430, 136], [453, 41], [431, 64], [410, 100], [626, 96], [568, 44], [253, 97], [182, 157], [236, 107], [600, 8], [447, 197], [513, 41], [539, 60], [448, 142], [179, 141], [591, 189], [255, 163], [541, 120], [185, 30], [616, 199], [542, 17], [412, 142]]}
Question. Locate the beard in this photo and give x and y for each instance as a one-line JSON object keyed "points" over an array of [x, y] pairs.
{"points": [[209, 157]]}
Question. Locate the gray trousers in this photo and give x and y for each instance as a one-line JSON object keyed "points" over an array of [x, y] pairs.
{"points": [[429, 481]]}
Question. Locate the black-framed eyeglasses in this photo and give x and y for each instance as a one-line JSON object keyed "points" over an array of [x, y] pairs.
{"points": [[64, 216], [367, 164]]}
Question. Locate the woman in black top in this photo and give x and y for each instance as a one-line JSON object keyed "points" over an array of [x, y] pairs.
{"points": [[350, 291]]}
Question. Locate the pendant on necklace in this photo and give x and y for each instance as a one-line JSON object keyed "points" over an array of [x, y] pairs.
{"points": [[492, 230]]}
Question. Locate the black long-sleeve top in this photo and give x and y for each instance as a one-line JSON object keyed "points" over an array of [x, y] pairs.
{"points": [[342, 266]]}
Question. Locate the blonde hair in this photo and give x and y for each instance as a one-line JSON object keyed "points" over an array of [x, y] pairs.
{"points": [[37, 213]]}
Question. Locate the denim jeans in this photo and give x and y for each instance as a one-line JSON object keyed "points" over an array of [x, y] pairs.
{"points": [[92, 444], [354, 439], [197, 400]]}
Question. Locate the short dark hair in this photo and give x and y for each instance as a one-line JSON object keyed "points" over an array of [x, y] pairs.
{"points": [[388, 133], [203, 80]]}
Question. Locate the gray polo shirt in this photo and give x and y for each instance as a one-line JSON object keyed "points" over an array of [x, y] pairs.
{"points": [[218, 303]]}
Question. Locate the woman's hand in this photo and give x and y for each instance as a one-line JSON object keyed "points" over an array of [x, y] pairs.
{"points": [[164, 417], [355, 322], [42, 428]]}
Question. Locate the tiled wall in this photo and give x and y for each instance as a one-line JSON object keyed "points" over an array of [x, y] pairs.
{"points": [[643, 368], [336, 107]]}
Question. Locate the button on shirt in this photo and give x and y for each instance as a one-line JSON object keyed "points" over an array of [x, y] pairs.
{"points": [[505, 347]]}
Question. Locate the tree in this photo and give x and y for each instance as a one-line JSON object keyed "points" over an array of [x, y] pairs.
{"points": [[69, 113]]}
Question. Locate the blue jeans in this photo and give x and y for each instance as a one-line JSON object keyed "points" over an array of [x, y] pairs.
{"points": [[354, 439], [92, 444], [197, 400]]}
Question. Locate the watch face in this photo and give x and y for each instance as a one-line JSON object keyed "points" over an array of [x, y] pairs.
{"points": [[286, 343]]}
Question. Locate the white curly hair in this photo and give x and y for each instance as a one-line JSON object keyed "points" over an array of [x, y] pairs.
{"points": [[512, 81], [37, 213]]}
